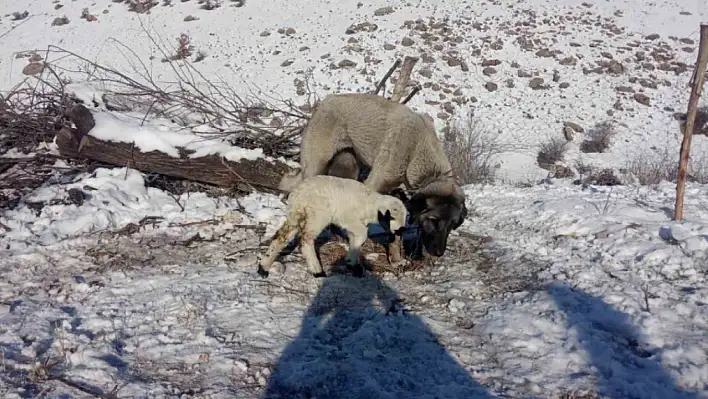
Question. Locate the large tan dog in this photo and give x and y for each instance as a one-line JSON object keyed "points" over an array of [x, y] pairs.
{"points": [[399, 146]]}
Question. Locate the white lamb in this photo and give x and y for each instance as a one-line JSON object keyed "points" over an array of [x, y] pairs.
{"points": [[322, 200]]}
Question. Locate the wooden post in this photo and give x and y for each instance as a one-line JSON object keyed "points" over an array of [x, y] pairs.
{"points": [[697, 83], [403, 78]]}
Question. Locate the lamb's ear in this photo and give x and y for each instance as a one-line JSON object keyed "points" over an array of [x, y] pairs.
{"points": [[384, 219]]}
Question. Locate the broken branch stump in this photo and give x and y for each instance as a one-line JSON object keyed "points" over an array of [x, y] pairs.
{"points": [[403, 78]]}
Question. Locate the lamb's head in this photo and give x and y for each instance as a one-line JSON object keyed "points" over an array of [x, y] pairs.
{"points": [[391, 213]]}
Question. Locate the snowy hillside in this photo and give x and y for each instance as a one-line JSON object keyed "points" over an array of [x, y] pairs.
{"points": [[117, 285]]}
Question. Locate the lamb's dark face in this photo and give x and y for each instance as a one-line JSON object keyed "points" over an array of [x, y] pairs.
{"points": [[437, 217]]}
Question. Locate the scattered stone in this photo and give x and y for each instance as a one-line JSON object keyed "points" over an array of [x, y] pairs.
{"points": [[624, 89], [76, 196], [653, 36], [491, 63], [572, 125], [362, 27], [615, 67], [33, 68], [523, 74], [568, 133], [536, 84], [407, 42], [556, 76], [642, 98], [290, 31], [649, 84], [686, 40], [564, 85], [59, 21], [346, 64], [384, 11], [510, 83], [489, 71], [490, 86], [265, 33], [190, 18], [545, 53], [287, 62], [426, 72], [389, 46]]}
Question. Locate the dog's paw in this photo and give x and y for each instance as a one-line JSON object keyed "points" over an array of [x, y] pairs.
{"points": [[262, 272]]}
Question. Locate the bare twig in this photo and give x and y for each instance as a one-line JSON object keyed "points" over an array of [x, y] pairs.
{"points": [[415, 90], [382, 83]]}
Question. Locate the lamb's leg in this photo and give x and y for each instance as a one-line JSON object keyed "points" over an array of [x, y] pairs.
{"points": [[311, 227], [357, 237], [284, 234], [307, 247]]}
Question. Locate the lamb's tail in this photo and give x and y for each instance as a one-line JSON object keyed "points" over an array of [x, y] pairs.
{"points": [[290, 181]]}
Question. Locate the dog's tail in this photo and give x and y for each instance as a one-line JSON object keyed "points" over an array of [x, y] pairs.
{"points": [[290, 181]]}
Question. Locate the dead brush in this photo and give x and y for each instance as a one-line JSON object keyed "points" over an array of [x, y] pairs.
{"points": [[141, 6], [209, 4], [471, 150], [551, 152], [599, 138], [184, 49], [651, 168], [250, 119]]}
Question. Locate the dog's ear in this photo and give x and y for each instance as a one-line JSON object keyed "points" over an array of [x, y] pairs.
{"points": [[417, 205], [400, 194], [461, 219]]}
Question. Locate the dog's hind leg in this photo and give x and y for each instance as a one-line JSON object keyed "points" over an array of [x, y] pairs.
{"points": [[284, 234], [344, 164]]}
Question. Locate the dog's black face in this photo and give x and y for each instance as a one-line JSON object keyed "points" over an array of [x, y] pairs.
{"points": [[437, 216]]}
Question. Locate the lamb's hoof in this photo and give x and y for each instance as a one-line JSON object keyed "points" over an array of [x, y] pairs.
{"points": [[262, 272], [319, 275]]}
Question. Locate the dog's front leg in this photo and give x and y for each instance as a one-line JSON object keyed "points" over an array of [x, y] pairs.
{"points": [[395, 248]]}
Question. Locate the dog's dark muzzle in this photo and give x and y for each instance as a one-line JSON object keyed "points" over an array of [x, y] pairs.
{"points": [[435, 245]]}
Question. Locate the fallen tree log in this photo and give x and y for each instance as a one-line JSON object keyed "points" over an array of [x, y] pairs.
{"points": [[247, 175]]}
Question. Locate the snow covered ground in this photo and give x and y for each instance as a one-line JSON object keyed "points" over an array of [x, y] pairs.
{"points": [[574, 290], [548, 290]]}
